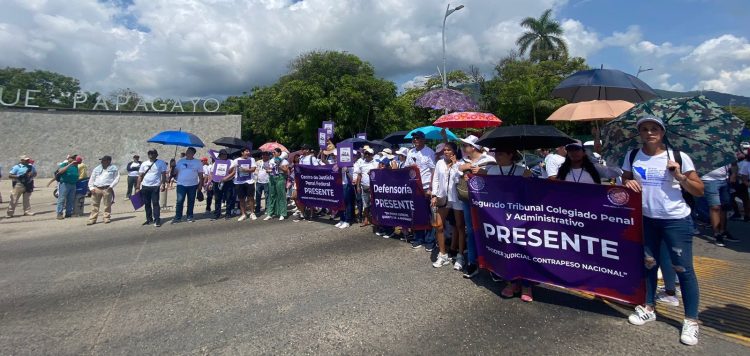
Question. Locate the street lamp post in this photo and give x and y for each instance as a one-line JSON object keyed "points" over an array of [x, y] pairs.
{"points": [[448, 11], [641, 70]]}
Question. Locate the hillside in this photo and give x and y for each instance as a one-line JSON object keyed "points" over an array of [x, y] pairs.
{"points": [[722, 99]]}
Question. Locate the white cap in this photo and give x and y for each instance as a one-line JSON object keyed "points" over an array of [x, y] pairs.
{"points": [[368, 150], [387, 151], [650, 119], [403, 151]]}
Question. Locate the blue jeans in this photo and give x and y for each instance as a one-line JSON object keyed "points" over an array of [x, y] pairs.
{"points": [[259, 189], [677, 235], [670, 276], [471, 246], [349, 196], [66, 194], [190, 191]]}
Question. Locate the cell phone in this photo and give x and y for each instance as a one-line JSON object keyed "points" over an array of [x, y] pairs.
{"points": [[672, 168]]}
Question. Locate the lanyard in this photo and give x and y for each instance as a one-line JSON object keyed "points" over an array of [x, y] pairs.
{"points": [[510, 172], [579, 176]]}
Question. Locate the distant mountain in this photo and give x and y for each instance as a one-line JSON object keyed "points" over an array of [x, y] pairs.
{"points": [[719, 98]]}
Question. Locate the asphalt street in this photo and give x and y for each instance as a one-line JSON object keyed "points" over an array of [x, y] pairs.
{"points": [[270, 287]]}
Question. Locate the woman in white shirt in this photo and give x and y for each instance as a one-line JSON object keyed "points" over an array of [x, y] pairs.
{"points": [[579, 168], [655, 172], [445, 199]]}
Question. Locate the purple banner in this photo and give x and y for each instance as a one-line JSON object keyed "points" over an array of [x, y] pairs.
{"points": [[345, 154], [221, 170], [362, 135], [398, 198], [322, 138], [579, 236], [328, 126], [319, 186]]}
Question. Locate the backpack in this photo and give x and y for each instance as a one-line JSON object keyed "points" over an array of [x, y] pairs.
{"points": [[689, 199]]}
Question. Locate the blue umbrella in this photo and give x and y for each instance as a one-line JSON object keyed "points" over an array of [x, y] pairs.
{"points": [[603, 84], [177, 138], [432, 133]]}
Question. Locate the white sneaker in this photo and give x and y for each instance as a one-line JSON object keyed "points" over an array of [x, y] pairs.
{"points": [[339, 224], [296, 213], [671, 300], [253, 217], [379, 233], [385, 236], [281, 218], [268, 217], [242, 218], [459, 265], [689, 334], [641, 316], [344, 225], [442, 260]]}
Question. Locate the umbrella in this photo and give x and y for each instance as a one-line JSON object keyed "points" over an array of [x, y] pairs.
{"points": [[293, 155], [603, 84], [525, 137], [696, 126], [446, 99], [591, 110], [432, 133], [396, 138], [382, 144], [357, 143], [467, 119], [177, 138], [270, 146], [232, 142]]}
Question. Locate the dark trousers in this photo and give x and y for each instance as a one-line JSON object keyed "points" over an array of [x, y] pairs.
{"points": [[151, 203], [260, 188], [226, 192], [349, 196], [131, 185]]}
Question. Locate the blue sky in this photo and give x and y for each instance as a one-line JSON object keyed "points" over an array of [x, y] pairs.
{"points": [[193, 48]]}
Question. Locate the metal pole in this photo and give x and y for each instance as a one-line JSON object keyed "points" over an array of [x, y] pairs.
{"points": [[445, 74]]}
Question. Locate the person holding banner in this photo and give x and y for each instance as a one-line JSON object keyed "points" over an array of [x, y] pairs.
{"points": [[579, 168], [244, 183], [656, 173], [445, 199], [362, 170], [278, 171], [262, 169], [423, 158], [222, 175], [306, 158]]}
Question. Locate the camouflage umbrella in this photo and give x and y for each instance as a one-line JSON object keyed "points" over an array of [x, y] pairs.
{"points": [[696, 126]]}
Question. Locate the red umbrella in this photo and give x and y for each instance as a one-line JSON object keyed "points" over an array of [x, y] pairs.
{"points": [[468, 119], [270, 146]]}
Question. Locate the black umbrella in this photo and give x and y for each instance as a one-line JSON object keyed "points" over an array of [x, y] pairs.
{"points": [[232, 142], [358, 143], [381, 143], [396, 138], [524, 137], [603, 84]]}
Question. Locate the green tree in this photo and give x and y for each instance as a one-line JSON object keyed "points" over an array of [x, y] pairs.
{"points": [[57, 90], [543, 38], [743, 112]]}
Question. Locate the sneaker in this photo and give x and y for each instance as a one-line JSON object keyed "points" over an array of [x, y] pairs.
{"points": [[385, 236], [298, 219], [415, 245], [107, 221], [281, 218], [60, 217], [296, 214], [661, 289], [268, 217], [157, 224], [429, 248], [242, 218], [90, 222], [148, 222], [175, 221], [379, 233], [495, 277], [441, 261], [719, 243], [641, 316], [339, 224], [689, 334], [471, 271], [253, 217], [664, 298], [344, 225], [459, 264], [190, 220], [28, 214], [729, 238]]}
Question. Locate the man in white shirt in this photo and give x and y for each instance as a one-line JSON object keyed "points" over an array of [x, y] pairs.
{"points": [[152, 179], [189, 179], [423, 158], [133, 167], [102, 182], [362, 169], [244, 184], [262, 169], [553, 162]]}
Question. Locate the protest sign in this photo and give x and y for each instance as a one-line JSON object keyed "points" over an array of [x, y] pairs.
{"points": [[398, 198], [319, 186], [362, 135], [221, 169], [345, 154], [580, 236], [243, 177], [328, 126], [322, 138]]}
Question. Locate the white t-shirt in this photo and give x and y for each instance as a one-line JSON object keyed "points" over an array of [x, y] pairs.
{"points": [[153, 177], [187, 172], [515, 169], [424, 159], [552, 164], [662, 196], [721, 173], [134, 164], [309, 160], [580, 175], [238, 173], [363, 167], [744, 168], [260, 170], [276, 169]]}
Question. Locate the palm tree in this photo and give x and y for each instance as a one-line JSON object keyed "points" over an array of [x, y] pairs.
{"points": [[543, 39]]}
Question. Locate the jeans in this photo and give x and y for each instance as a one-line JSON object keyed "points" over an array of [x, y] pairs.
{"points": [[131, 185], [222, 194], [677, 235], [260, 188], [471, 245], [358, 205], [669, 275], [66, 196], [150, 197], [349, 196], [190, 191], [426, 237]]}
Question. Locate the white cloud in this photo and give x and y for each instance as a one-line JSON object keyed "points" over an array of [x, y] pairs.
{"points": [[663, 83]]}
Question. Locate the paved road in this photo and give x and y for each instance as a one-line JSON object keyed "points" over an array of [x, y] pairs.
{"points": [[278, 287]]}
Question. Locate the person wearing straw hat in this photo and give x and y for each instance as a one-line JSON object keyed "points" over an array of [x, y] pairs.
{"points": [[102, 183], [654, 171], [22, 176]]}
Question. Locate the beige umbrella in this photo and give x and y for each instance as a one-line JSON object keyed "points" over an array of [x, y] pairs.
{"points": [[591, 110]]}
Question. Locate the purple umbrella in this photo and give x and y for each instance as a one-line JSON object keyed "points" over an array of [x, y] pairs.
{"points": [[442, 99]]}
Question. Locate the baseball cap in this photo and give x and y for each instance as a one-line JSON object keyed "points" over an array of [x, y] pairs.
{"points": [[650, 119], [204, 159], [577, 144], [402, 151], [418, 134], [223, 152], [106, 158], [79, 159]]}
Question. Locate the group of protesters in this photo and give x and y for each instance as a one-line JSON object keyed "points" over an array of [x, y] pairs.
{"points": [[264, 183]]}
